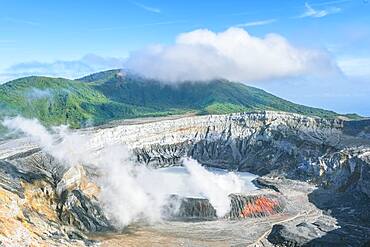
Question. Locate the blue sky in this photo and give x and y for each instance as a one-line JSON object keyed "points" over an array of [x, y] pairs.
{"points": [[36, 34]]}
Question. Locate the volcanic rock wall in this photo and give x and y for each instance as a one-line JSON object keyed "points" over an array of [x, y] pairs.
{"points": [[41, 199], [283, 144]]}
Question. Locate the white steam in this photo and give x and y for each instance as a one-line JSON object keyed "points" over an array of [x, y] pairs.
{"points": [[234, 54], [216, 188], [130, 192], [32, 128], [36, 93]]}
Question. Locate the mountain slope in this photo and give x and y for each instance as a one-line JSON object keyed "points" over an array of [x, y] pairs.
{"points": [[110, 95], [215, 97], [60, 101]]}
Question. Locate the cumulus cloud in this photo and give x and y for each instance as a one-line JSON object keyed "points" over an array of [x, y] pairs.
{"points": [[200, 55], [234, 54], [69, 69]]}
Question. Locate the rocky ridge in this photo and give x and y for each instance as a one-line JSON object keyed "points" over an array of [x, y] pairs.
{"points": [[315, 162]]}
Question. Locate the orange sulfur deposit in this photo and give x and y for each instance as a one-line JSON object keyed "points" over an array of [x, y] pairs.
{"points": [[262, 205]]}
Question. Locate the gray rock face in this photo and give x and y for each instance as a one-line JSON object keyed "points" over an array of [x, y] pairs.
{"points": [[28, 184], [289, 145], [320, 233], [295, 235], [236, 141], [325, 153], [241, 206], [11, 178], [78, 210], [189, 209]]}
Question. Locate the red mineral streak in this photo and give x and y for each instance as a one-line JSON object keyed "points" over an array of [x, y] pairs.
{"points": [[261, 205]]}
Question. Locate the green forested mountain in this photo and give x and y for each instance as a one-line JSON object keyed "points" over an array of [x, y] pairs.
{"points": [[113, 94]]}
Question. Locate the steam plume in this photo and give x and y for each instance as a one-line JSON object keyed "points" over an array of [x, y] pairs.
{"points": [[130, 192]]}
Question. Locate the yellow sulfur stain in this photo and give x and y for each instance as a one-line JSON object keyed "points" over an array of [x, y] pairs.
{"points": [[40, 198], [17, 230]]}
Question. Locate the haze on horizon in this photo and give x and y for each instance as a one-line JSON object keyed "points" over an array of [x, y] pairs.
{"points": [[315, 53]]}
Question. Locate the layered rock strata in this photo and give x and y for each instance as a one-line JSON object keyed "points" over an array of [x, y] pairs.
{"points": [[48, 204]]}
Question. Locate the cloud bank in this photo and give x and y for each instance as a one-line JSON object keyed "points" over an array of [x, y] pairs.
{"points": [[234, 54], [200, 55]]}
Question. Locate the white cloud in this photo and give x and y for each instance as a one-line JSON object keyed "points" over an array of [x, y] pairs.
{"points": [[233, 54], [147, 8], [315, 13], [355, 66], [68, 69], [257, 23], [331, 2]]}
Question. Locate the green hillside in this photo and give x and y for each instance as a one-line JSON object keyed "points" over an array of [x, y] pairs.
{"points": [[57, 101], [214, 97], [109, 95]]}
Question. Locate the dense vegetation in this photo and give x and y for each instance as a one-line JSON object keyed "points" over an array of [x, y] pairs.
{"points": [[110, 95]]}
